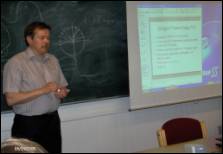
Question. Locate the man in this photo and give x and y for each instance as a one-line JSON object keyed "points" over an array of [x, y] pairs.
{"points": [[33, 84]]}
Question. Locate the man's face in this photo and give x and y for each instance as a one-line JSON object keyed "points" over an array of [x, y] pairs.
{"points": [[41, 41]]}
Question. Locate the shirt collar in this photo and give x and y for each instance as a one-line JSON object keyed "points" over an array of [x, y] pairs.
{"points": [[32, 55]]}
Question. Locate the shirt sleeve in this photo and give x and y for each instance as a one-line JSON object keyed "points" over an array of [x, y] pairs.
{"points": [[11, 77]]}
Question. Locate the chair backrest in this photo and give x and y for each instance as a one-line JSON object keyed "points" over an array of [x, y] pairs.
{"points": [[181, 130], [21, 145]]}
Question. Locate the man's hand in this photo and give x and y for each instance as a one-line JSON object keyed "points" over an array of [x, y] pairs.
{"points": [[61, 92], [50, 87]]}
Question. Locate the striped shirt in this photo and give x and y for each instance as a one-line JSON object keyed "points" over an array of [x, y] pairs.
{"points": [[27, 71]]}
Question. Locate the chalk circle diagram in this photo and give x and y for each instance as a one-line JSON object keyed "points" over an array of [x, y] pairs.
{"points": [[5, 40], [72, 43], [5, 44], [17, 11]]}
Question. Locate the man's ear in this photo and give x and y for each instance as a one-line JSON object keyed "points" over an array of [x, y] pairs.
{"points": [[29, 39]]}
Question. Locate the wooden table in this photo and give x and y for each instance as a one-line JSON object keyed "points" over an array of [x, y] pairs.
{"points": [[180, 148]]}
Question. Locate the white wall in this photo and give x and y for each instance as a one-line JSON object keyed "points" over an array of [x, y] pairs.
{"points": [[108, 126]]}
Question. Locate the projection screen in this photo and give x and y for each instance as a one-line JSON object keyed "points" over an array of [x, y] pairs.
{"points": [[174, 51]]}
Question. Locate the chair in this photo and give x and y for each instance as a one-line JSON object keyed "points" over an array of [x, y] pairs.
{"points": [[21, 145], [181, 130]]}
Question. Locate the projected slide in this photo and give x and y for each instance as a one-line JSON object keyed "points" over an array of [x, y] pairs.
{"points": [[174, 49], [173, 43]]}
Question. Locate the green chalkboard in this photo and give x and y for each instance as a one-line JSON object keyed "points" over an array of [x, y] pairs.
{"points": [[89, 39]]}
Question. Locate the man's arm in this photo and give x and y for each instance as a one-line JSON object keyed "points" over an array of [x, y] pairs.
{"points": [[14, 98]]}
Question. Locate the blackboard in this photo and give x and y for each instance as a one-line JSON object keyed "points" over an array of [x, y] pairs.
{"points": [[89, 39]]}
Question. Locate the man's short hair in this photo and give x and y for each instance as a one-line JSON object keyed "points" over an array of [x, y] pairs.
{"points": [[30, 29]]}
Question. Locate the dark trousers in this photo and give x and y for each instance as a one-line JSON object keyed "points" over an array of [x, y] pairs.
{"points": [[43, 129]]}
